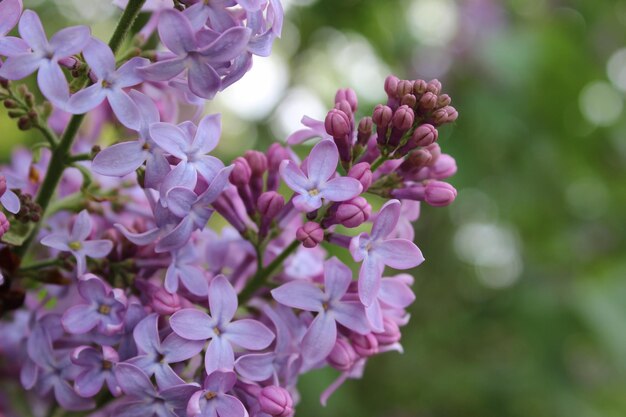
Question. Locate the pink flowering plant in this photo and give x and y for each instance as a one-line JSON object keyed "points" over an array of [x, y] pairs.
{"points": [[116, 296]]}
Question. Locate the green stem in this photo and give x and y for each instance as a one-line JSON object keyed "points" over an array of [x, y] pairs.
{"points": [[61, 155], [263, 274], [40, 265]]}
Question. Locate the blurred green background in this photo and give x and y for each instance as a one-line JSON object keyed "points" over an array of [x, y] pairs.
{"points": [[521, 304]]}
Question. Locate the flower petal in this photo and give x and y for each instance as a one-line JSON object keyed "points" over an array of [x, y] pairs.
{"points": [[369, 279], [70, 41], [19, 66], [352, 316], [249, 334], [175, 32], [31, 30], [192, 324], [86, 99], [341, 189], [300, 294], [10, 10], [119, 159], [171, 138], [256, 366], [294, 177], [222, 300], [322, 161], [204, 81], [337, 278], [124, 108], [97, 248], [386, 220], [399, 253], [53, 84], [219, 355], [319, 339], [208, 133], [163, 70], [146, 335], [177, 349]]}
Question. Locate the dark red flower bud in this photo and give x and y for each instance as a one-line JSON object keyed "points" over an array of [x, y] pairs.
{"points": [[3, 184], [4, 224]]}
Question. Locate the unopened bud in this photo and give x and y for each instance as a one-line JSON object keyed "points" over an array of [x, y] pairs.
{"points": [[363, 173], [276, 154], [310, 234], [337, 123], [3, 184], [439, 193], [390, 334], [445, 167], [343, 356], [276, 401], [443, 100], [270, 203], [428, 101], [453, 114], [403, 118], [241, 173], [434, 86], [257, 161], [391, 85], [364, 345], [409, 100], [354, 212], [364, 130], [419, 87], [165, 303], [4, 224], [24, 123], [348, 95], [382, 115], [404, 87], [10, 104], [425, 135]]}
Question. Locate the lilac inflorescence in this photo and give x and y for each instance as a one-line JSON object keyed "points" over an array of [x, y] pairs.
{"points": [[142, 307]]}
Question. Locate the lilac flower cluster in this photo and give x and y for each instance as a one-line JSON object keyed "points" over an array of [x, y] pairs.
{"points": [[135, 304]]}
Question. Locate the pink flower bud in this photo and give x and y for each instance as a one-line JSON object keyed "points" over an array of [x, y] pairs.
{"points": [[452, 114], [415, 161], [3, 184], [4, 224], [257, 161], [276, 401], [348, 95], [424, 135], [434, 86], [435, 152], [403, 118], [364, 345], [165, 303], [343, 356], [391, 333], [344, 106], [362, 172], [364, 130], [310, 234], [428, 101], [408, 100], [443, 100], [275, 155], [270, 203], [440, 116], [353, 213], [337, 123], [419, 87], [404, 87], [382, 115], [241, 173], [439, 193], [445, 167], [391, 85]]}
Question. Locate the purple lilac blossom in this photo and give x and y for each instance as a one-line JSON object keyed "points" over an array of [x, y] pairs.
{"points": [[98, 368], [212, 400]]}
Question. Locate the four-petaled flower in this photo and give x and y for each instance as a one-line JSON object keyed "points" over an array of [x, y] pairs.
{"points": [[375, 250], [194, 324], [77, 244], [317, 183], [213, 401], [320, 338], [98, 368]]}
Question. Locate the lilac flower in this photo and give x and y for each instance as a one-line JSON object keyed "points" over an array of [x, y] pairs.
{"points": [[190, 145], [315, 129], [376, 251], [184, 268], [201, 62], [320, 338], [33, 52], [50, 370], [104, 309], [193, 324], [77, 244], [123, 158], [317, 184], [98, 368], [127, 347], [393, 293], [212, 400], [144, 400], [10, 10], [110, 84], [193, 210], [155, 357], [9, 200]]}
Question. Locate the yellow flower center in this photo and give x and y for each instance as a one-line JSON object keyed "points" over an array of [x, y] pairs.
{"points": [[314, 192], [104, 309], [210, 395], [75, 245]]}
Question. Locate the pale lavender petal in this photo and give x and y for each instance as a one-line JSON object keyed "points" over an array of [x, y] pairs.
{"points": [[82, 227], [369, 279], [166, 377], [100, 58], [171, 138], [29, 374], [81, 263], [229, 406], [171, 279], [80, 319], [124, 108], [53, 84], [341, 189], [89, 383], [192, 324], [119, 159], [194, 280], [208, 133], [146, 335], [228, 45], [177, 397], [219, 355], [183, 175], [306, 202], [19, 66], [319, 339], [157, 169], [31, 30], [256, 366], [10, 10], [352, 316], [217, 186], [177, 349], [179, 200], [395, 293], [134, 409], [375, 316], [300, 294], [204, 81], [10, 46], [301, 136], [358, 246], [337, 278], [92, 288], [69, 399], [134, 381], [70, 41], [10, 201], [97, 248], [222, 300], [128, 74], [322, 161], [57, 241], [294, 177], [220, 381], [163, 70], [399, 253], [249, 334], [208, 166], [177, 237], [140, 239], [86, 99], [175, 32], [386, 220]]}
